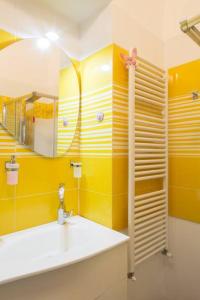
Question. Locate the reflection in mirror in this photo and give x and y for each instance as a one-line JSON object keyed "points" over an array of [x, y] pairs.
{"points": [[39, 96]]}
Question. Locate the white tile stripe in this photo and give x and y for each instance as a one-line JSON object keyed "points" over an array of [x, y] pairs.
{"points": [[93, 130], [184, 132]]}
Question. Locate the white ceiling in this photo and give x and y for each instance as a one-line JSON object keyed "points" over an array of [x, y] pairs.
{"points": [[76, 10]]}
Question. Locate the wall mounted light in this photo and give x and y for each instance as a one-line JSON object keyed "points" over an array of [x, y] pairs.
{"points": [[52, 36]]}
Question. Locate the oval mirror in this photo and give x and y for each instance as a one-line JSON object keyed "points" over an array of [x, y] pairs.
{"points": [[39, 95]]}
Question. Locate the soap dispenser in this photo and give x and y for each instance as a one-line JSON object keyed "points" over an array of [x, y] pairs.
{"points": [[77, 168], [12, 169]]}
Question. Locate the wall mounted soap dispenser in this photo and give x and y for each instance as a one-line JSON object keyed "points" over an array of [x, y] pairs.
{"points": [[77, 168], [12, 170]]}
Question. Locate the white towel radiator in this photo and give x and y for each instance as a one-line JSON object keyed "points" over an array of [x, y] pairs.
{"points": [[148, 162]]}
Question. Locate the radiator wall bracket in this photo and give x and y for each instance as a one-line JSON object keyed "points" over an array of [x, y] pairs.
{"points": [[131, 276], [166, 252]]}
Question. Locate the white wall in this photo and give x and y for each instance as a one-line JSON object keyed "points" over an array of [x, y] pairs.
{"points": [[176, 11], [150, 281], [130, 32], [182, 271], [179, 48], [126, 24], [149, 15], [176, 278], [96, 32]]}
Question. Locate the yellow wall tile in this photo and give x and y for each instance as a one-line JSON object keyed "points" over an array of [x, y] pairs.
{"points": [[148, 186], [96, 137], [184, 203], [40, 175], [34, 200], [184, 78], [97, 207], [96, 70], [96, 86], [35, 210], [96, 174], [103, 186], [7, 216], [184, 172], [120, 211], [40, 209], [120, 72], [184, 160], [120, 175]]}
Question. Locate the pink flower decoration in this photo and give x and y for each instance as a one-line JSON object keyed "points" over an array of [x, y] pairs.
{"points": [[130, 60]]}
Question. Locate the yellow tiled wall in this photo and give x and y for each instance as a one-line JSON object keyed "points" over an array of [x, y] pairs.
{"points": [[96, 137], [120, 140], [103, 153], [104, 145], [34, 200], [184, 142]]}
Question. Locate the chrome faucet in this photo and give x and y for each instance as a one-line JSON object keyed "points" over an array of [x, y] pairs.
{"points": [[62, 214]]}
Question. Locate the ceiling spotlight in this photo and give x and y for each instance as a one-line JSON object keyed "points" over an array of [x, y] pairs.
{"points": [[52, 36], [43, 43]]}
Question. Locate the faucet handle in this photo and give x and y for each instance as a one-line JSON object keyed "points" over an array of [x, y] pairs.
{"points": [[68, 214], [61, 191]]}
